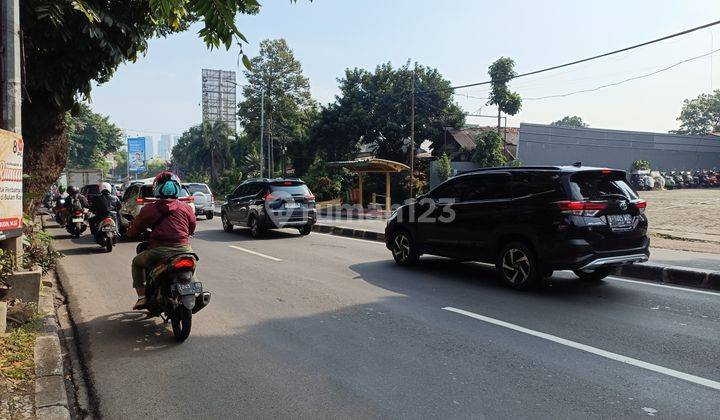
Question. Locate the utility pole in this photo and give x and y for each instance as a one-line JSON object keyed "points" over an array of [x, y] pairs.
{"points": [[262, 132], [11, 96], [412, 135]]}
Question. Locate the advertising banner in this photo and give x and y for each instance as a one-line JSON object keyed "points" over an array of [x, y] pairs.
{"points": [[136, 154], [11, 192]]}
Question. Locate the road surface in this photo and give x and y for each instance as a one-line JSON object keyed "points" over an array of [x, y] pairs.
{"points": [[329, 327]]}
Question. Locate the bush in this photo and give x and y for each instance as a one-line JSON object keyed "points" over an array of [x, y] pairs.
{"points": [[641, 165], [37, 248], [324, 185], [443, 168], [516, 163], [489, 149], [7, 265]]}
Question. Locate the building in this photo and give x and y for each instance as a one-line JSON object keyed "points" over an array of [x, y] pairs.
{"points": [[149, 147], [164, 147], [542, 144], [459, 144]]}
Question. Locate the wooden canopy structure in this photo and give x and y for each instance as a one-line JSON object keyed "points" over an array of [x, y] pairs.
{"points": [[371, 165]]}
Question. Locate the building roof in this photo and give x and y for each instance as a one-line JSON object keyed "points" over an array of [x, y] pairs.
{"points": [[369, 165]]}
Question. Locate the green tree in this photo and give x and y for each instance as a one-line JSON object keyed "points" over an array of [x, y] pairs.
{"points": [[205, 148], [443, 168], [69, 44], [375, 108], [701, 115], [574, 121], [288, 103], [489, 150], [508, 102], [91, 136]]}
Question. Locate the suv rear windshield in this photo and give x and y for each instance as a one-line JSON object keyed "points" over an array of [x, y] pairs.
{"points": [[147, 191], [292, 189], [193, 188], [92, 190], [597, 186]]}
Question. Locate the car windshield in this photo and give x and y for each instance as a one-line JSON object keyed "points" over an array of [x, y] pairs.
{"points": [[596, 185], [195, 188], [292, 189]]}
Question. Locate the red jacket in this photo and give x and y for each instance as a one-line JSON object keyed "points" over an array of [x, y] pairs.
{"points": [[171, 221]]}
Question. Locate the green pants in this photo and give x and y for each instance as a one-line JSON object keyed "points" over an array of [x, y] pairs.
{"points": [[150, 258]]}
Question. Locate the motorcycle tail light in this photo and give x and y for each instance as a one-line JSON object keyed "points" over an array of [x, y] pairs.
{"points": [[107, 220], [78, 213], [140, 200], [581, 208], [184, 263]]}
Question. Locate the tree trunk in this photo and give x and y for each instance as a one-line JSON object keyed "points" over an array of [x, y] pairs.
{"points": [[499, 119], [46, 150]]}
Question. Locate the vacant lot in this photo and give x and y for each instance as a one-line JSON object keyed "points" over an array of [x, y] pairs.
{"points": [[692, 214]]}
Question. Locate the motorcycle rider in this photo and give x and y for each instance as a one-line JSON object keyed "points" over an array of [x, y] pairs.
{"points": [[75, 200], [103, 205], [172, 222]]}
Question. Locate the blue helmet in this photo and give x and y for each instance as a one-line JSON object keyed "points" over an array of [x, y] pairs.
{"points": [[166, 185]]}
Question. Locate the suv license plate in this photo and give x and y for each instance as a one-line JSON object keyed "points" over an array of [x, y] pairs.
{"points": [[77, 219], [189, 288], [619, 220], [292, 205]]}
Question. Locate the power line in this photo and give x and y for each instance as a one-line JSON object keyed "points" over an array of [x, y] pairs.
{"points": [[562, 95], [595, 57]]}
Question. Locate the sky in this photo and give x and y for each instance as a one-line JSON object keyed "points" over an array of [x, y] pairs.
{"points": [[161, 92]]}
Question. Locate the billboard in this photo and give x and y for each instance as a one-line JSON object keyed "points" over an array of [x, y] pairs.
{"points": [[136, 154], [11, 188], [218, 96]]}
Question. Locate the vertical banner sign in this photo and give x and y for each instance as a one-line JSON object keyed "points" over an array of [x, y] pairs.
{"points": [[11, 192], [136, 154]]}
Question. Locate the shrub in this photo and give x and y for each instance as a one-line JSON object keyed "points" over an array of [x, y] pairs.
{"points": [[443, 168], [641, 165], [37, 248], [489, 149]]}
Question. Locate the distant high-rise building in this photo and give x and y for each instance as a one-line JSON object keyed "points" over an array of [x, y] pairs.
{"points": [[164, 147], [149, 147]]}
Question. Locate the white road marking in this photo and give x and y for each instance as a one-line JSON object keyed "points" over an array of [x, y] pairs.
{"points": [[350, 239], [584, 347], [249, 251], [666, 286]]}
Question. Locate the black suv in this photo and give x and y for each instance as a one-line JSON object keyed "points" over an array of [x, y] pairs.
{"points": [[262, 204], [528, 221]]}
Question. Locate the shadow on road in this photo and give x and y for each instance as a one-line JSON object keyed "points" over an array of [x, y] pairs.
{"points": [[242, 235]]}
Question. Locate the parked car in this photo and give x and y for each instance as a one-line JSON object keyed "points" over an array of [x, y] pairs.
{"points": [[203, 199], [136, 196], [528, 221], [263, 203]]}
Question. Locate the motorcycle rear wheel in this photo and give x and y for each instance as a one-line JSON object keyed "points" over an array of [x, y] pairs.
{"points": [[181, 323], [108, 244]]}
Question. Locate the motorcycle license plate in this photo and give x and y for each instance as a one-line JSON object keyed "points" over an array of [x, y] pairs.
{"points": [[108, 229], [617, 220], [189, 288], [77, 219]]}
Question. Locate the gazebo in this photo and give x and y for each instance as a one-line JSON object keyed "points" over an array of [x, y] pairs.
{"points": [[371, 165]]}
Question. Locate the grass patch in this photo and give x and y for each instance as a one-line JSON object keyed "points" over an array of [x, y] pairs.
{"points": [[17, 364]]}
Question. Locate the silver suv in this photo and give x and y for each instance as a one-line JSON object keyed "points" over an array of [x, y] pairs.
{"points": [[203, 199]]}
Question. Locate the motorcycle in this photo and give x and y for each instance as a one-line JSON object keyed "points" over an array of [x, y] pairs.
{"points": [[106, 233], [679, 180], [669, 180], [172, 293], [75, 224], [60, 212]]}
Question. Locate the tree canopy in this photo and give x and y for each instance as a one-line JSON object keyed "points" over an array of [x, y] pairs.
{"points": [[92, 136], [573, 121], [489, 149], [508, 102], [69, 44], [374, 108], [700, 115]]}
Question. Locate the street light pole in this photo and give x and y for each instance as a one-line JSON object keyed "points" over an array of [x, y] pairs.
{"points": [[262, 132], [412, 135]]}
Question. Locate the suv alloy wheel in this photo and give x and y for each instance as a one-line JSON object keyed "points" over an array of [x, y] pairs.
{"points": [[403, 248], [227, 226], [517, 266]]}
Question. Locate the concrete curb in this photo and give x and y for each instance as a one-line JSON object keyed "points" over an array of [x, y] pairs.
{"points": [[51, 400]]}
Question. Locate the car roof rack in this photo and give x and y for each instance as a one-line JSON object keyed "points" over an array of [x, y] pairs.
{"points": [[511, 168]]}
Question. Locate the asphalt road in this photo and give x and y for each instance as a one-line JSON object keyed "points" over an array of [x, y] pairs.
{"points": [[335, 329]]}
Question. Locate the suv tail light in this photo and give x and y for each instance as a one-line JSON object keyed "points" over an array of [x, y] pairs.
{"points": [[270, 197], [310, 197], [184, 263], [641, 205], [581, 208], [188, 199]]}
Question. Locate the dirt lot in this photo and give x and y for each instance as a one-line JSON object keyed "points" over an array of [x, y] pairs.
{"points": [[685, 219]]}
